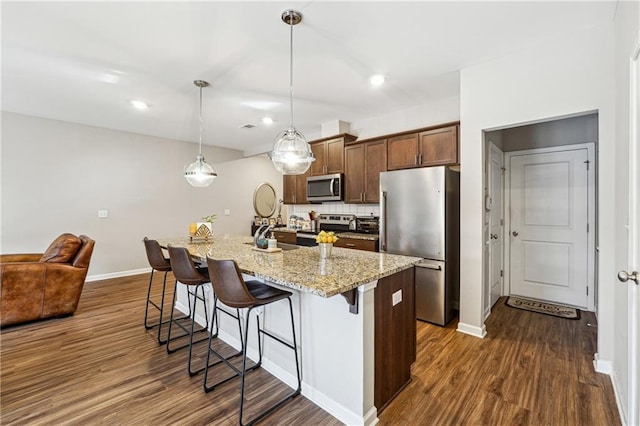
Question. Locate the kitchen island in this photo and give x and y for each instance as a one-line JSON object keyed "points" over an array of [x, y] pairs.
{"points": [[356, 351]]}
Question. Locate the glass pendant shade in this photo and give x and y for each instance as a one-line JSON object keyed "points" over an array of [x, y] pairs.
{"points": [[199, 173], [291, 153]]}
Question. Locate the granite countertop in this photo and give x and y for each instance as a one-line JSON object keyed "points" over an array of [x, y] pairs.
{"points": [[358, 236], [300, 269]]}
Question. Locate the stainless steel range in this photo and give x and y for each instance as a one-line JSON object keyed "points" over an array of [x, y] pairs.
{"points": [[327, 222]]}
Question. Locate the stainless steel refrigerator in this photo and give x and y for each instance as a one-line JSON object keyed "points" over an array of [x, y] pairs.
{"points": [[420, 216]]}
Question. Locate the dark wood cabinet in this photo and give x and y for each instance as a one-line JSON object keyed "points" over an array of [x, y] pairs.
{"points": [[357, 243], [395, 336], [431, 147], [329, 155], [402, 152], [363, 164], [294, 188], [285, 237], [439, 147]]}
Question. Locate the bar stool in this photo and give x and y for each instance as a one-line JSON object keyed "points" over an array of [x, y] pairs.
{"points": [[159, 263], [233, 291], [187, 274]]}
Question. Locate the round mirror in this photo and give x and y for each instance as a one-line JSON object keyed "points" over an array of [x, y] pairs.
{"points": [[264, 200]]}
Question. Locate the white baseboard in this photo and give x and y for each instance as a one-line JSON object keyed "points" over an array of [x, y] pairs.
{"points": [[108, 276], [472, 330], [602, 366], [337, 410], [606, 367]]}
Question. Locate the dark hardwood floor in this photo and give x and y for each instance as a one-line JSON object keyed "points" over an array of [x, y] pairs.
{"points": [[101, 367]]}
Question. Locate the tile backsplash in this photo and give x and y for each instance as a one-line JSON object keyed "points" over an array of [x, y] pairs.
{"points": [[335, 208]]}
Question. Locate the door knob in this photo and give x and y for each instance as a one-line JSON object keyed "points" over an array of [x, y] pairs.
{"points": [[494, 236], [514, 233], [624, 276]]}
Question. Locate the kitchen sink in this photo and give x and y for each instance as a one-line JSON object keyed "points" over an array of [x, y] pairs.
{"points": [[283, 246]]}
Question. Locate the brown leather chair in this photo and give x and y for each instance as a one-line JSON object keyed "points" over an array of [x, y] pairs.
{"points": [[188, 274], [159, 263], [231, 289], [44, 285]]}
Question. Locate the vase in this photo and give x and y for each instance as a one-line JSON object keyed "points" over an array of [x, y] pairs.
{"points": [[325, 250]]}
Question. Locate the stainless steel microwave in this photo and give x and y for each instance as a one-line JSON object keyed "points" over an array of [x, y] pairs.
{"points": [[324, 188]]}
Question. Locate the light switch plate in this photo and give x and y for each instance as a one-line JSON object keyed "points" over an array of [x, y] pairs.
{"points": [[227, 212], [396, 297], [103, 213]]}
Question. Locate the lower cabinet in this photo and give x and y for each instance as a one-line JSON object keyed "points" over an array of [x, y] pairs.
{"points": [[285, 237], [356, 243], [395, 335]]}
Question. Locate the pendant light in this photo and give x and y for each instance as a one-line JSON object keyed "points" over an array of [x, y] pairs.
{"points": [[291, 153], [199, 173]]}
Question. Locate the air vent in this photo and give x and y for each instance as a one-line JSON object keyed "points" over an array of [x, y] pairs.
{"points": [[248, 126]]}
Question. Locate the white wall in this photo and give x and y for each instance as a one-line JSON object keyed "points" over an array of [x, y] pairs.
{"points": [[626, 35], [562, 77], [56, 175]]}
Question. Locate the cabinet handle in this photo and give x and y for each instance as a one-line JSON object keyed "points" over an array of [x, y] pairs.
{"points": [[416, 160], [350, 245], [420, 159]]}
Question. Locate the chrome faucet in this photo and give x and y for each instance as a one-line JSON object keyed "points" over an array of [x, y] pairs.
{"points": [[261, 234]]}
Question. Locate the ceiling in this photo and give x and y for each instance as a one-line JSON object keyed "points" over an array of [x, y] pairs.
{"points": [[84, 62]]}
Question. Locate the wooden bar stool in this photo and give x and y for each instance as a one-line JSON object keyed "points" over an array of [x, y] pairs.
{"points": [[158, 262], [187, 274], [234, 292]]}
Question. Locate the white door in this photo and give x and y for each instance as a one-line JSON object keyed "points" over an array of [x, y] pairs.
{"points": [[548, 226], [496, 222], [630, 275]]}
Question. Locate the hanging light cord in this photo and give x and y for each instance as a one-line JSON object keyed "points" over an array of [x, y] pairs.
{"points": [[291, 65], [200, 120]]}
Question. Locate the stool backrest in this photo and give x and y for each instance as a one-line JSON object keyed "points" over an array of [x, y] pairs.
{"points": [[154, 255], [183, 267], [228, 284]]}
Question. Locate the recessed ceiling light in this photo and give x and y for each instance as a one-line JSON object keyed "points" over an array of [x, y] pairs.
{"points": [[376, 80], [267, 120], [139, 104]]}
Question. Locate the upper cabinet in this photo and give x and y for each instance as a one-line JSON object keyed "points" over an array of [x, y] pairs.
{"points": [[434, 147], [294, 188], [363, 164], [329, 155]]}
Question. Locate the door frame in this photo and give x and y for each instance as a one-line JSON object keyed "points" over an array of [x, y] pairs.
{"points": [[591, 214]]}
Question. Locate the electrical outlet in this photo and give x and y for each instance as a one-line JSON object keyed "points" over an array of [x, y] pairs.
{"points": [[396, 297], [227, 212], [103, 214]]}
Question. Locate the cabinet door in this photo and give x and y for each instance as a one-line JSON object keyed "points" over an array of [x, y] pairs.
{"points": [[289, 189], [319, 151], [439, 146], [402, 152], [375, 159], [335, 156], [301, 188], [285, 237], [354, 173]]}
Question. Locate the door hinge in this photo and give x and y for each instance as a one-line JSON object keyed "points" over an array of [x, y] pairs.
{"points": [[587, 227], [501, 222], [587, 291], [501, 272], [587, 163]]}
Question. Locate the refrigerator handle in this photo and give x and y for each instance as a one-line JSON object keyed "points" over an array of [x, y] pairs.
{"points": [[429, 266], [383, 222]]}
